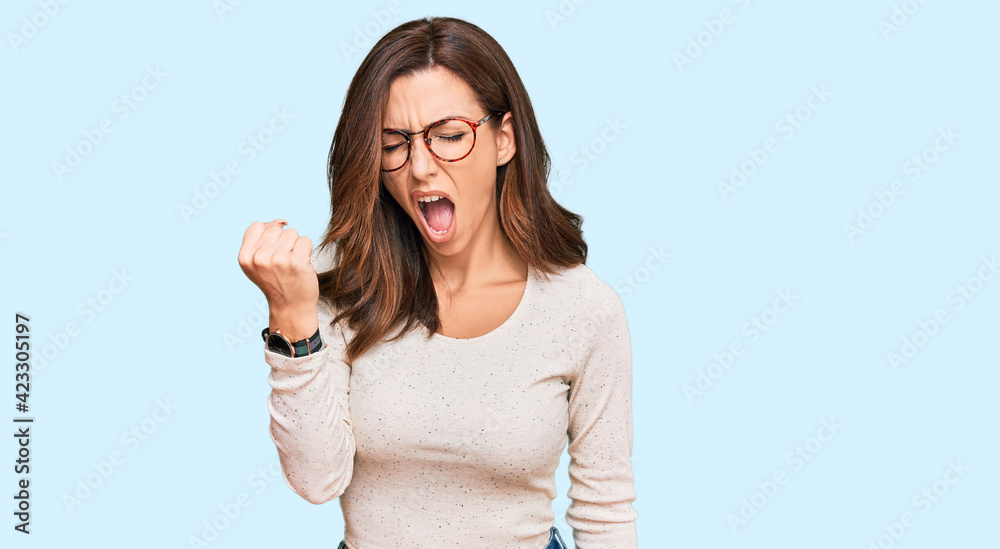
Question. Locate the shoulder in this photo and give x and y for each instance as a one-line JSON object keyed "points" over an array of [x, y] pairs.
{"points": [[590, 314], [580, 286], [581, 306]]}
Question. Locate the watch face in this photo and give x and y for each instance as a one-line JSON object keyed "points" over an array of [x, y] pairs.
{"points": [[278, 344]]}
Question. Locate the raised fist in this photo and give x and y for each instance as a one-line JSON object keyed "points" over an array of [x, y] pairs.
{"points": [[279, 262]]}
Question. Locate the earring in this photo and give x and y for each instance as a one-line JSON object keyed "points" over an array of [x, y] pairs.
{"points": [[500, 161]]}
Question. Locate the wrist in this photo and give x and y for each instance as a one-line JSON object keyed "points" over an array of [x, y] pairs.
{"points": [[279, 343], [294, 324]]}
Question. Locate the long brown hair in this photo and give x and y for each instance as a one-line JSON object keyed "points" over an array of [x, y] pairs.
{"points": [[380, 276]]}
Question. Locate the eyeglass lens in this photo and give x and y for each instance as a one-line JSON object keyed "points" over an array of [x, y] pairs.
{"points": [[449, 140]]}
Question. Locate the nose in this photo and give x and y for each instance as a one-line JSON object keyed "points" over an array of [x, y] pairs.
{"points": [[422, 163]]}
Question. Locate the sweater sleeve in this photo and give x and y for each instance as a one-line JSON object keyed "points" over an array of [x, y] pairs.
{"points": [[600, 432], [310, 420]]}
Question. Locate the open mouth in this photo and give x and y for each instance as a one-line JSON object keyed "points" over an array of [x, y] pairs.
{"points": [[438, 213]]}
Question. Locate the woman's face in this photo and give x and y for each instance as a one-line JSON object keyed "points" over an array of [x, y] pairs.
{"points": [[415, 102]]}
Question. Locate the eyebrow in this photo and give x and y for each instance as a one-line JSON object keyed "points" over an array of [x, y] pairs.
{"points": [[442, 118]]}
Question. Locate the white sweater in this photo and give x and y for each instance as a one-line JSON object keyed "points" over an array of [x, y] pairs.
{"points": [[455, 442]]}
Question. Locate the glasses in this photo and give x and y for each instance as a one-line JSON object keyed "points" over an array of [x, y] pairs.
{"points": [[448, 139]]}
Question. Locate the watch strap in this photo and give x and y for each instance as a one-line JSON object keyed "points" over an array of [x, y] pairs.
{"points": [[308, 346], [302, 347]]}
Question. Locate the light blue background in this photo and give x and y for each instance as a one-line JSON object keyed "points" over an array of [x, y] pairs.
{"points": [[169, 333]]}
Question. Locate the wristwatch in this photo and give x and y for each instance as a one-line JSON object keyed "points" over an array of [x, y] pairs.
{"points": [[278, 343]]}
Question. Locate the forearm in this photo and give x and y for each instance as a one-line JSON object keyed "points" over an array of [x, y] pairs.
{"points": [[310, 419]]}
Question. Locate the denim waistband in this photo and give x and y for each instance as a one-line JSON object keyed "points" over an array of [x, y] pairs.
{"points": [[555, 540]]}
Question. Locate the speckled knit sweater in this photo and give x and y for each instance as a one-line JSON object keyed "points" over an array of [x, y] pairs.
{"points": [[446, 442]]}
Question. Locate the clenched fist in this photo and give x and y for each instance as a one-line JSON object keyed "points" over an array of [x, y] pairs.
{"points": [[278, 261]]}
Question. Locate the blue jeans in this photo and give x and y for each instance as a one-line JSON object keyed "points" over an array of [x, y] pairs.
{"points": [[555, 540]]}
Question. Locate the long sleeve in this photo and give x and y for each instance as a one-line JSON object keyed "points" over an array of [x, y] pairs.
{"points": [[600, 432], [310, 420]]}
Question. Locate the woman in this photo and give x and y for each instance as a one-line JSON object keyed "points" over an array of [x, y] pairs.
{"points": [[430, 358]]}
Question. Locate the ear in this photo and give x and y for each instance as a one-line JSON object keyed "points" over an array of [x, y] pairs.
{"points": [[506, 146]]}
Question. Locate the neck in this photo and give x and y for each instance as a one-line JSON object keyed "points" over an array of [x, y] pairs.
{"points": [[488, 258]]}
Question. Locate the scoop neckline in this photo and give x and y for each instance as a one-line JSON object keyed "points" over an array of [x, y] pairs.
{"points": [[505, 326]]}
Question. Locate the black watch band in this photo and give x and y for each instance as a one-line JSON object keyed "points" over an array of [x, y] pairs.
{"points": [[278, 343]]}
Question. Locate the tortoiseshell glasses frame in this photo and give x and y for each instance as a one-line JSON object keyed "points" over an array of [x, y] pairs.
{"points": [[427, 139]]}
